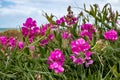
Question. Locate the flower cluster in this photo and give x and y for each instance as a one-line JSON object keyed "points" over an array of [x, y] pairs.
{"points": [[30, 29], [81, 53], [87, 30], [56, 61], [43, 31], [111, 35], [11, 42], [68, 19], [60, 21], [79, 45]]}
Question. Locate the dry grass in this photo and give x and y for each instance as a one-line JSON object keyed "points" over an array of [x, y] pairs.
{"points": [[12, 33]]}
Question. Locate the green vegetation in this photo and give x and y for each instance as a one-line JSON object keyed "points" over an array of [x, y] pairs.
{"points": [[32, 59]]}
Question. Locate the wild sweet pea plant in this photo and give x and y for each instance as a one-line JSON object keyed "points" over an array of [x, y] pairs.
{"points": [[83, 47]]}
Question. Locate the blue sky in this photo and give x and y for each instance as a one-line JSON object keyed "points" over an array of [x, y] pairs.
{"points": [[14, 12]]}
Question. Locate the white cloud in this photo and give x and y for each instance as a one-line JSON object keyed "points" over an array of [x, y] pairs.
{"points": [[17, 10], [21, 9], [114, 1], [27, 7]]}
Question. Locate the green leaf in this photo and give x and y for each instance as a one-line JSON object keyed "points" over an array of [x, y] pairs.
{"points": [[92, 10], [114, 71], [116, 16], [50, 18], [27, 50], [74, 30]]}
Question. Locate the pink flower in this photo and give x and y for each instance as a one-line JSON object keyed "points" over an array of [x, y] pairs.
{"points": [[66, 35], [50, 36], [25, 31], [36, 30], [56, 67], [44, 42], [79, 45], [60, 21], [88, 27], [85, 58], [29, 23], [43, 29], [12, 42], [88, 63], [31, 33], [87, 30], [111, 35], [31, 38], [56, 61], [20, 45], [86, 33], [76, 60], [88, 55], [30, 29], [3, 40], [80, 52]]}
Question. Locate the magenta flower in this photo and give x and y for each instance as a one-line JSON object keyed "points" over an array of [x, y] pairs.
{"points": [[66, 35], [3, 40], [111, 35], [79, 45], [31, 33], [80, 52], [20, 45], [30, 29], [43, 29], [56, 67], [88, 55], [50, 36], [82, 58], [29, 23], [88, 27], [44, 42], [60, 21], [12, 42], [25, 31], [88, 63], [76, 60], [36, 30], [86, 33], [87, 30], [56, 61]]}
